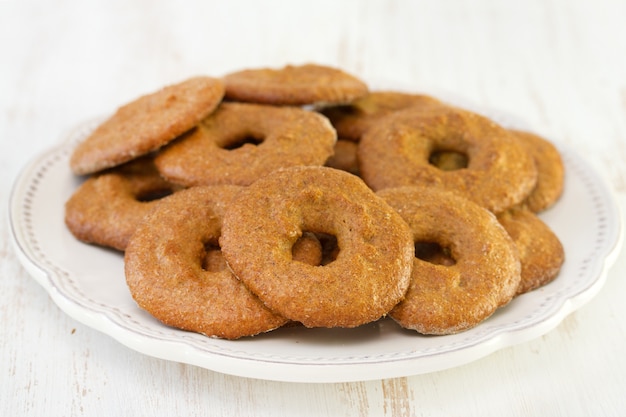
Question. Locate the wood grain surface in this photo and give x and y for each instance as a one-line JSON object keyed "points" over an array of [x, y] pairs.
{"points": [[558, 65]]}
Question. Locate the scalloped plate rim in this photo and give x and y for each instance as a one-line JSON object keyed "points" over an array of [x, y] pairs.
{"points": [[186, 348]]}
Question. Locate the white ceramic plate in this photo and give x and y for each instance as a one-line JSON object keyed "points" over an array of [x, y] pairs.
{"points": [[88, 283]]}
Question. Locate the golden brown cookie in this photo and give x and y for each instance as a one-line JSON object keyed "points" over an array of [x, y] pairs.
{"points": [[484, 272], [169, 276], [370, 272], [540, 250], [352, 120], [294, 85], [397, 152], [146, 124], [307, 249], [242, 142], [448, 160], [550, 171], [344, 157], [107, 208]]}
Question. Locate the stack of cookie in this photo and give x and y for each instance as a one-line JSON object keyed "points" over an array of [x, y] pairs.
{"points": [[296, 195]]}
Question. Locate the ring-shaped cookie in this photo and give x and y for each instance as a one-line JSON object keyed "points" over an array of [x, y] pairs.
{"points": [[540, 251], [107, 208], [396, 152], [168, 274], [370, 273], [484, 274], [294, 85], [241, 142], [147, 123], [550, 171], [352, 120]]}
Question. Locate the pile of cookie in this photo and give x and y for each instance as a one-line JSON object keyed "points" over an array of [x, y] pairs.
{"points": [[298, 196]]}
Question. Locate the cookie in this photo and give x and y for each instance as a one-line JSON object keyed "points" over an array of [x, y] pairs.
{"points": [[308, 84], [147, 123], [370, 272], [173, 270]]}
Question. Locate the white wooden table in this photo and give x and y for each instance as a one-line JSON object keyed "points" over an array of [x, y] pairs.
{"points": [[559, 65]]}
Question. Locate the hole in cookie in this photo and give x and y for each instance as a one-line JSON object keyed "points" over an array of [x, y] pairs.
{"points": [[330, 247], [307, 249], [315, 249], [448, 160], [240, 141], [434, 253], [213, 260], [152, 195], [346, 110]]}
